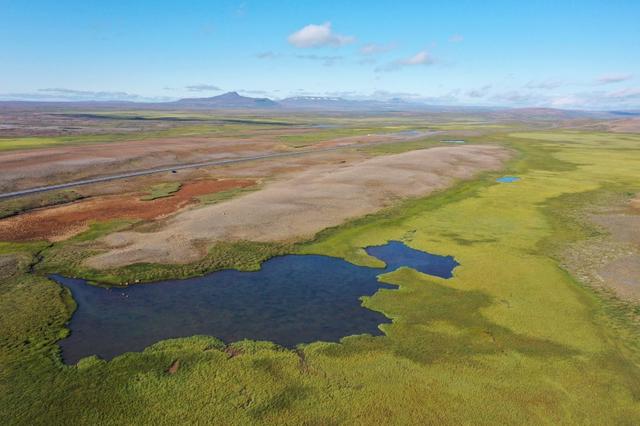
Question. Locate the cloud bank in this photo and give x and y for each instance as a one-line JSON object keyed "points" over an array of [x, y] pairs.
{"points": [[375, 48], [613, 78], [421, 58], [64, 94], [314, 35], [202, 88]]}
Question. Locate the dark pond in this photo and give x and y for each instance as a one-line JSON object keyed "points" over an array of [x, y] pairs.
{"points": [[395, 254], [292, 299], [412, 133]]}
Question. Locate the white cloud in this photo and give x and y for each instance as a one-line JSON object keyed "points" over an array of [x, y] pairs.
{"points": [[517, 98], [74, 94], [456, 38], [599, 100], [314, 35], [613, 78], [202, 88], [267, 55], [327, 60], [628, 93], [546, 84], [388, 95], [65, 94], [420, 58], [375, 48], [368, 60], [566, 101], [480, 92]]}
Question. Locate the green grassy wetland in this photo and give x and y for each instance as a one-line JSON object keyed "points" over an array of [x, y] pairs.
{"points": [[511, 338]]}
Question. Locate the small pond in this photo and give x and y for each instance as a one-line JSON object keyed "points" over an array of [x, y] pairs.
{"points": [[412, 133], [292, 299], [507, 179]]}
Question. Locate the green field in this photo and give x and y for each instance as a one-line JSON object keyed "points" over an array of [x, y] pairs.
{"points": [[162, 125], [176, 124], [511, 338]]}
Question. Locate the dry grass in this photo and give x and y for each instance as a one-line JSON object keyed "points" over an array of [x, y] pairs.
{"points": [[298, 207]]}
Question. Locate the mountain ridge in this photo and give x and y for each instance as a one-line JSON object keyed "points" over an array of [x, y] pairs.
{"points": [[227, 100], [233, 100]]}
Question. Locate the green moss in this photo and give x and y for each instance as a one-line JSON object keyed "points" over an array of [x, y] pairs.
{"points": [[99, 229], [220, 196], [15, 206], [26, 247], [162, 190], [231, 128]]}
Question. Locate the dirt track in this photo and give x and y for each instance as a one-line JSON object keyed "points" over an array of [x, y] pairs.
{"points": [[303, 204]]}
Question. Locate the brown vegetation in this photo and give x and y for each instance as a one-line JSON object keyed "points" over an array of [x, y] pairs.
{"points": [[622, 271], [610, 261], [305, 203], [62, 222], [174, 367]]}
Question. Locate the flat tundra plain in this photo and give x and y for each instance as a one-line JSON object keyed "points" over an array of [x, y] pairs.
{"points": [[539, 323]]}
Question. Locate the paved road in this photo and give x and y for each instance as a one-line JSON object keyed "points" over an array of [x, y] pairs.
{"points": [[182, 167]]}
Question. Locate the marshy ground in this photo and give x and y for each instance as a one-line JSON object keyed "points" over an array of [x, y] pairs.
{"points": [[535, 326]]}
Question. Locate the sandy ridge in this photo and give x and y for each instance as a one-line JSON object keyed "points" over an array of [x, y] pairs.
{"points": [[304, 204]]}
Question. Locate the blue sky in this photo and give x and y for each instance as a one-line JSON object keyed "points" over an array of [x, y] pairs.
{"points": [[567, 54]]}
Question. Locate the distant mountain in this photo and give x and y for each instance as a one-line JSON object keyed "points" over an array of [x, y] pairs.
{"points": [[233, 100], [626, 113], [226, 100]]}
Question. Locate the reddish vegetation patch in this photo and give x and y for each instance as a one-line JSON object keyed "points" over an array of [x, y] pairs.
{"points": [[232, 352], [65, 221], [174, 367]]}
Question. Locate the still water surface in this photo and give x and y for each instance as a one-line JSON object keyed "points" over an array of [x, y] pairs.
{"points": [[292, 299]]}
